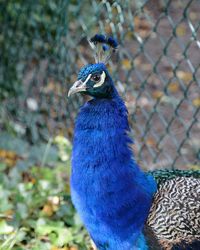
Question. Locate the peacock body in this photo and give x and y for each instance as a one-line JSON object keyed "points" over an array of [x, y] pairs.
{"points": [[112, 195]]}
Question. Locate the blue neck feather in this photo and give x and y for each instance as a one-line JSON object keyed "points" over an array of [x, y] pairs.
{"points": [[112, 195]]}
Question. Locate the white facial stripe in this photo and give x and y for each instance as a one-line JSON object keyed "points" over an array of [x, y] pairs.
{"points": [[87, 79], [103, 76]]}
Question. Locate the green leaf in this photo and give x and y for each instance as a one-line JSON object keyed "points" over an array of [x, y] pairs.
{"points": [[5, 228], [57, 232]]}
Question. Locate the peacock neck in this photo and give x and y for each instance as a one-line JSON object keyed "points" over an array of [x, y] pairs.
{"points": [[101, 132], [102, 141]]}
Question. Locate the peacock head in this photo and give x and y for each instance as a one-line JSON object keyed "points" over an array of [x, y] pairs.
{"points": [[94, 79]]}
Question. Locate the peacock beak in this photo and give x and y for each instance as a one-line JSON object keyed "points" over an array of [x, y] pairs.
{"points": [[78, 86]]}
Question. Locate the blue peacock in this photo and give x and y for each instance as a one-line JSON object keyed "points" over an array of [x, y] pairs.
{"points": [[122, 207]]}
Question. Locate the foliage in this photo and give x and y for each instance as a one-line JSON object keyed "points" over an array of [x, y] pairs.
{"points": [[36, 211], [36, 26]]}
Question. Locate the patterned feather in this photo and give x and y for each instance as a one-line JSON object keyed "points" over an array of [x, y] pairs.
{"points": [[175, 214], [166, 174]]}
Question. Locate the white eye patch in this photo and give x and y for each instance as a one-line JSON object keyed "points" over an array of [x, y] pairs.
{"points": [[103, 76], [87, 79]]}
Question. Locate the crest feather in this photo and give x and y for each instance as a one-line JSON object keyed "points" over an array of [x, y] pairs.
{"points": [[103, 47]]}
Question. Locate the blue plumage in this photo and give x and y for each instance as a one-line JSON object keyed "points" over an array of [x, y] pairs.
{"points": [[110, 192], [112, 42], [98, 38], [102, 39], [89, 69]]}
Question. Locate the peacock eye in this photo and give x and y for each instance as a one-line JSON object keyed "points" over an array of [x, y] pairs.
{"points": [[96, 78]]}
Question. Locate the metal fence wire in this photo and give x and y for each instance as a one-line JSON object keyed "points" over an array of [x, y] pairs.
{"points": [[156, 70]]}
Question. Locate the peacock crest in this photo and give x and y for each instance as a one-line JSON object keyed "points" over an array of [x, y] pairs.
{"points": [[103, 47]]}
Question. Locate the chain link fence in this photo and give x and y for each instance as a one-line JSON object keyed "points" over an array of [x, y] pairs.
{"points": [[157, 70]]}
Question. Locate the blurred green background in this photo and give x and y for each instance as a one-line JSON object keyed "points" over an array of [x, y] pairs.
{"points": [[43, 45]]}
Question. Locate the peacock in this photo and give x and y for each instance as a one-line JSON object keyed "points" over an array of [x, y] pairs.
{"points": [[122, 207]]}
